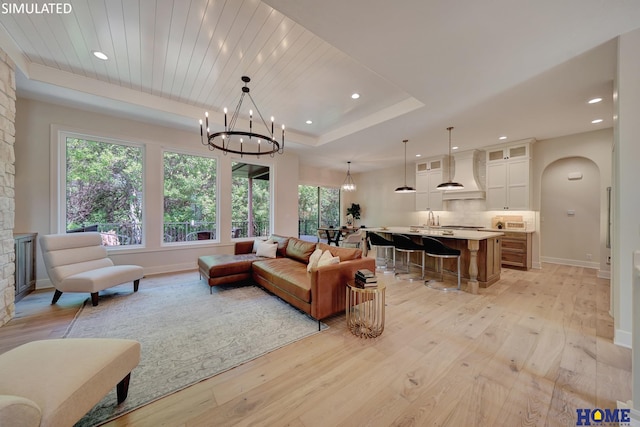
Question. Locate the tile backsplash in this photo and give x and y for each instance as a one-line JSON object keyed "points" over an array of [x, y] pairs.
{"points": [[473, 213]]}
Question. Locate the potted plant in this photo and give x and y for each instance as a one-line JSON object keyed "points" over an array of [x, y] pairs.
{"points": [[353, 212]]}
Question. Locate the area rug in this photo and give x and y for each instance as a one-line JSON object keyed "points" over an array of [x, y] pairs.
{"points": [[187, 335]]}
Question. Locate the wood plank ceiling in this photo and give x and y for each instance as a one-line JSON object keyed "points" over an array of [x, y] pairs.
{"points": [[521, 69], [194, 52]]}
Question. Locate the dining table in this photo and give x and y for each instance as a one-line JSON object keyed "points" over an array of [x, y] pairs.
{"points": [[334, 234]]}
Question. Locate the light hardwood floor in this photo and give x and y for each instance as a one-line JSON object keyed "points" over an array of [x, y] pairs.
{"points": [[529, 350]]}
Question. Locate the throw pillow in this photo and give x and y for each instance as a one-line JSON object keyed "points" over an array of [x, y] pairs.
{"points": [[314, 258], [282, 242], [328, 259], [267, 250], [256, 242]]}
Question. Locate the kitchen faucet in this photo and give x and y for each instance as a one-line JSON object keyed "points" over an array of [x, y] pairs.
{"points": [[431, 221]]}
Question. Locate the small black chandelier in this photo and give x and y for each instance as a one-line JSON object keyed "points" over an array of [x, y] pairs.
{"points": [[242, 142]]}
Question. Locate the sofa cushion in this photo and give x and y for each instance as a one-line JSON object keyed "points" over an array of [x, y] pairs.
{"points": [[345, 254], [226, 265], [287, 274], [282, 242], [300, 250]]}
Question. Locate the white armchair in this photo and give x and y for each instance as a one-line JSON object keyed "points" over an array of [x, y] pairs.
{"points": [[354, 239], [78, 262]]}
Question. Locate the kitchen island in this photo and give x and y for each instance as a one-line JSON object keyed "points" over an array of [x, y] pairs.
{"points": [[480, 259]]}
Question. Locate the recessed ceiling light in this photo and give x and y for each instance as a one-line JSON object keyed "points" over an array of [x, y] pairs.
{"points": [[355, 96], [309, 122], [596, 121], [455, 147], [100, 55], [418, 155], [503, 137], [595, 100]]}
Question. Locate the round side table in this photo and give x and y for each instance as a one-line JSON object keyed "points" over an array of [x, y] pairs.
{"points": [[365, 310]]}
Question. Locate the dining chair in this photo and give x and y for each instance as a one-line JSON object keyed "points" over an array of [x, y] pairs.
{"points": [[354, 239]]}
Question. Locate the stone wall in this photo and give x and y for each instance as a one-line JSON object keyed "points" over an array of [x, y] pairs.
{"points": [[7, 189]]}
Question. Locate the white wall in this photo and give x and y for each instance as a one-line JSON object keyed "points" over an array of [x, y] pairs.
{"points": [[380, 206], [570, 213], [595, 146], [625, 189], [36, 125]]}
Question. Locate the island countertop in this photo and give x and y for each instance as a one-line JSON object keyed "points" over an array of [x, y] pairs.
{"points": [[435, 232], [479, 251]]}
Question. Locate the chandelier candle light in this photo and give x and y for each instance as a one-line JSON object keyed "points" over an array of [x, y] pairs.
{"points": [[348, 184], [242, 142]]}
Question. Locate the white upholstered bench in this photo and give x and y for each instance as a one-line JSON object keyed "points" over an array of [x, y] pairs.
{"points": [[78, 262], [56, 382]]}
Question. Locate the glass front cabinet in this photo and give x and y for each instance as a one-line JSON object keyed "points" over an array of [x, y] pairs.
{"points": [[429, 174], [509, 176]]}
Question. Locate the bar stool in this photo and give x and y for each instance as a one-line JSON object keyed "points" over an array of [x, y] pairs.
{"points": [[435, 248], [382, 244], [404, 244]]}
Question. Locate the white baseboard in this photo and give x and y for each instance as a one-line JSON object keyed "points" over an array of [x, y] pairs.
{"points": [[537, 265], [172, 268], [43, 284], [622, 338], [572, 262], [604, 274]]}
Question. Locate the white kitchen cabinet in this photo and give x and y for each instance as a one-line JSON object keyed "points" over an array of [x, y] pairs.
{"points": [[508, 177], [429, 174]]}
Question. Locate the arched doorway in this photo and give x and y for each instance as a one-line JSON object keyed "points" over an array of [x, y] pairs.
{"points": [[570, 213]]}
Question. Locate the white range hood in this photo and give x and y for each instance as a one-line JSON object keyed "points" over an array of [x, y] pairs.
{"points": [[468, 170]]}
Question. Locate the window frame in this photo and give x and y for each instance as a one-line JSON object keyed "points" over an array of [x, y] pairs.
{"points": [[58, 184], [217, 189], [318, 191], [272, 180]]}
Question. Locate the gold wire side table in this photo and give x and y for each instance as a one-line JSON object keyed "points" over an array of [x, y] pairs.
{"points": [[365, 310]]}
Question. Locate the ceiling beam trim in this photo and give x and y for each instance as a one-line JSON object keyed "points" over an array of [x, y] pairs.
{"points": [[396, 110]]}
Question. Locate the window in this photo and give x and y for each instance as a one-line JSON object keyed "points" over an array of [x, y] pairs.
{"points": [[103, 189], [250, 200], [317, 206], [190, 207]]}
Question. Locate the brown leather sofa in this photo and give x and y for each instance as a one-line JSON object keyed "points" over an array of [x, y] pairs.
{"points": [[319, 293]]}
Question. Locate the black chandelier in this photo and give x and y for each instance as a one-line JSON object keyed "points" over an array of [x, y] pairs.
{"points": [[243, 142]]}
